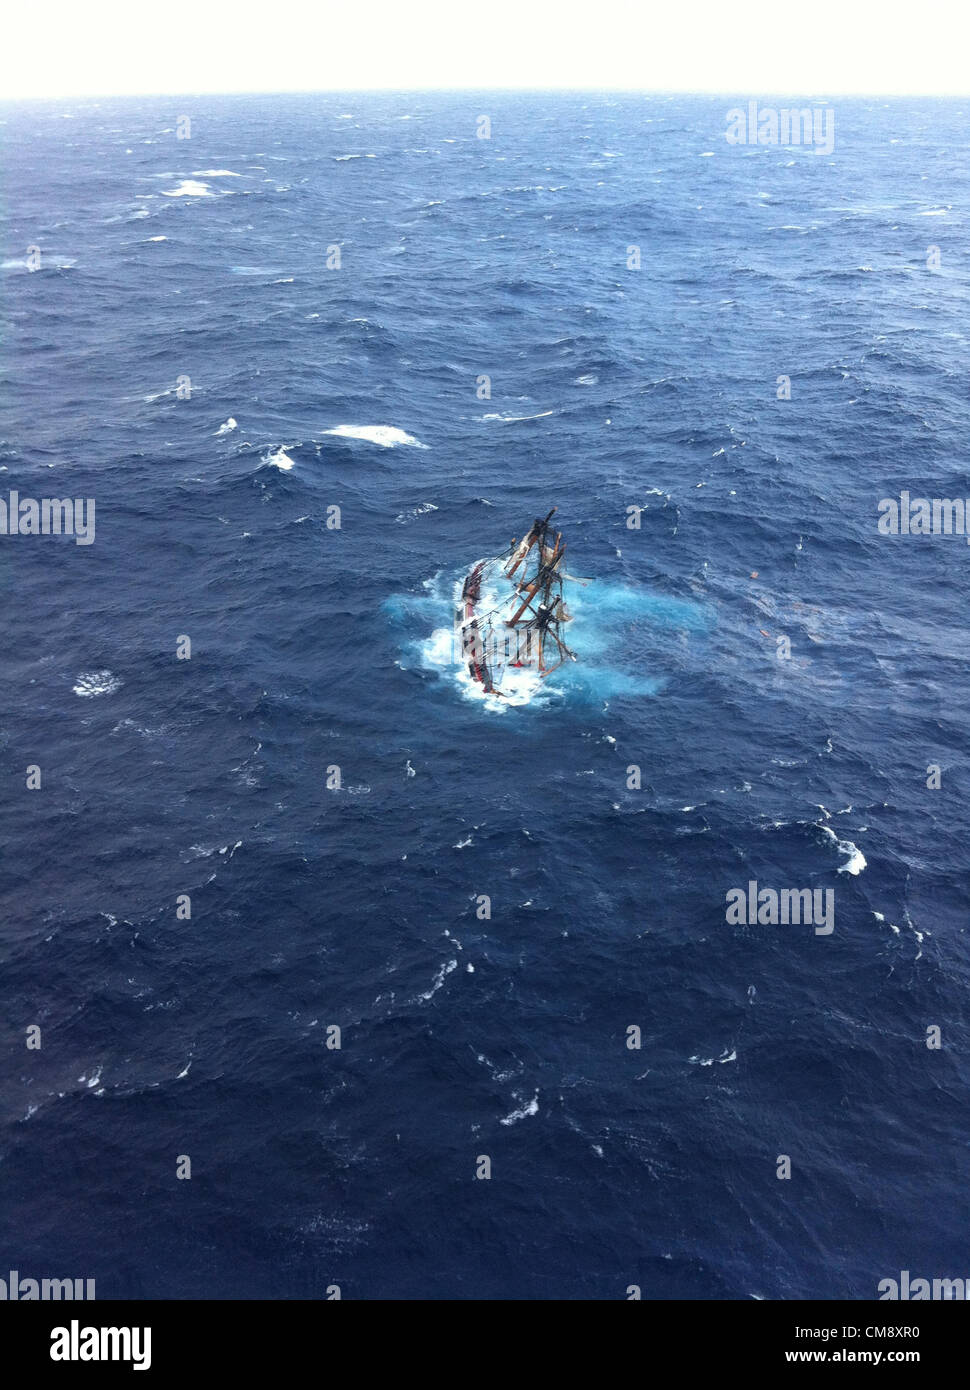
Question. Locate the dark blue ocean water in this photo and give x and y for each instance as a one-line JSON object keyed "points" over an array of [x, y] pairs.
{"points": [[312, 648]]}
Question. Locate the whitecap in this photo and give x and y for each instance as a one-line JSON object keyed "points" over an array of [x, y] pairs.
{"points": [[47, 262], [189, 188], [227, 428], [91, 683], [387, 436], [856, 861], [531, 1108], [402, 517], [511, 419], [278, 458], [439, 979]]}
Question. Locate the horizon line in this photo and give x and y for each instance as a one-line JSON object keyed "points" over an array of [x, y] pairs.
{"points": [[712, 93]]}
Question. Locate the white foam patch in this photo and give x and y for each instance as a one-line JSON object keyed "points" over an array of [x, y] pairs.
{"points": [[439, 979], [518, 685], [91, 683], [513, 419], [189, 188], [387, 436], [227, 428], [726, 1056], [403, 517], [531, 1108], [215, 174], [47, 262], [856, 861], [279, 458]]}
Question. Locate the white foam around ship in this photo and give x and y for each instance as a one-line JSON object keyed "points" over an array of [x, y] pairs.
{"points": [[518, 685], [387, 436]]}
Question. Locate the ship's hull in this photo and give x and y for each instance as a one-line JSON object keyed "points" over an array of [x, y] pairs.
{"points": [[509, 614], [501, 659]]}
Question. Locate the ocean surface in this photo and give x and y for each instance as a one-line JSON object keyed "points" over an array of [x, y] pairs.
{"points": [[337, 274]]}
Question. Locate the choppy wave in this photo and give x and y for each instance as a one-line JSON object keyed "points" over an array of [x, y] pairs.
{"points": [[279, 458]]}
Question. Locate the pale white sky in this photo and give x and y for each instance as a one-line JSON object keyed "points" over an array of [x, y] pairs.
{"points": [[743, 47]]}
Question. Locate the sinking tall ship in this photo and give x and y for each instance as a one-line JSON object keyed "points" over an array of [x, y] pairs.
{"points": [[512, 614]]}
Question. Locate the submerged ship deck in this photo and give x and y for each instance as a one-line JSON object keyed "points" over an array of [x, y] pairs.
{"points": [[521, 628]]}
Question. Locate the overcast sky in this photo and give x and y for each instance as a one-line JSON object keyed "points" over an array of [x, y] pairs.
{"points": [[742, 47]]}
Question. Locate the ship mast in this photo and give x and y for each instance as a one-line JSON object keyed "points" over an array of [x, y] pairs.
{"points": [[541, 590]]}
